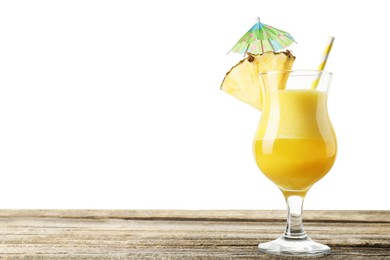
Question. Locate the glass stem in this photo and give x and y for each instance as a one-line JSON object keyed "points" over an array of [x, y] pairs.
{"points": [[294, 228]]}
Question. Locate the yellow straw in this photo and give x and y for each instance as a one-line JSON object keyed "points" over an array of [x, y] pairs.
{"points": [[323, 61]]}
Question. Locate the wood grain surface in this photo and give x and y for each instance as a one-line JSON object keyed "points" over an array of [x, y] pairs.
{"points": [[174, 234]]}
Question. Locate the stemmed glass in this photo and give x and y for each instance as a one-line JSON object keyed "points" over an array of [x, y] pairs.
{"points": [[295, 146]]}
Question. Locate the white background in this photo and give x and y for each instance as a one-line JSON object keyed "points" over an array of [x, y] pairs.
{"points": [[116, 104]]}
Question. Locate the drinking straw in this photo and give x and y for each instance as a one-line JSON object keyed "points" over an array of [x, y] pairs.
{"points": [[323, 61]]}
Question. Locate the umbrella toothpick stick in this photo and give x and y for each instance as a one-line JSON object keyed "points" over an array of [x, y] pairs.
{"points": [[262, 38]]}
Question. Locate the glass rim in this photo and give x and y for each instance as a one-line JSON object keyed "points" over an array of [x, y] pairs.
{"points": [[305, 72]]}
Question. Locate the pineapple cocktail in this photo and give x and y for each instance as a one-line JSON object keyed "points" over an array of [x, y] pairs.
{"points": [[295, 144]]}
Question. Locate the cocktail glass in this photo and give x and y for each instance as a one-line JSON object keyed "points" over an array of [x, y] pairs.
{"points": [[295, 146]]}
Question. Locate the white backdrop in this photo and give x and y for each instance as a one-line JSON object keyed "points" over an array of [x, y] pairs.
{"points": [[116, 104]]}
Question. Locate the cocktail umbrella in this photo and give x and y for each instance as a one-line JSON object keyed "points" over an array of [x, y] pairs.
{"points": [[262, 38]]}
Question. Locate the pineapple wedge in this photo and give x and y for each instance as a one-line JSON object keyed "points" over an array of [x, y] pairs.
{"points": [[242, 81]]}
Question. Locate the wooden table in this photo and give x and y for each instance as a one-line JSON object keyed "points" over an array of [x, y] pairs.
{"points": [[161, 234]]}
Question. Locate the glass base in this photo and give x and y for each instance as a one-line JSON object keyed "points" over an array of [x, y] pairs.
{"points": [[302, 246]]}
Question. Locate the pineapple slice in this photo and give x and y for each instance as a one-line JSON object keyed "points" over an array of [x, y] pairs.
{"points": [[242, 81]]}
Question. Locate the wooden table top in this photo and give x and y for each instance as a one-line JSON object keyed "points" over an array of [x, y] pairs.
{"points": [[178, 234]]}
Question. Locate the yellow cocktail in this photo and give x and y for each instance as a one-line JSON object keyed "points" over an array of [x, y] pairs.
{"points": [[295, 145]]}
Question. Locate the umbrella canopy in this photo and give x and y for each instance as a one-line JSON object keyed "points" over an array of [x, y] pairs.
{"points": [[262, 38]]}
